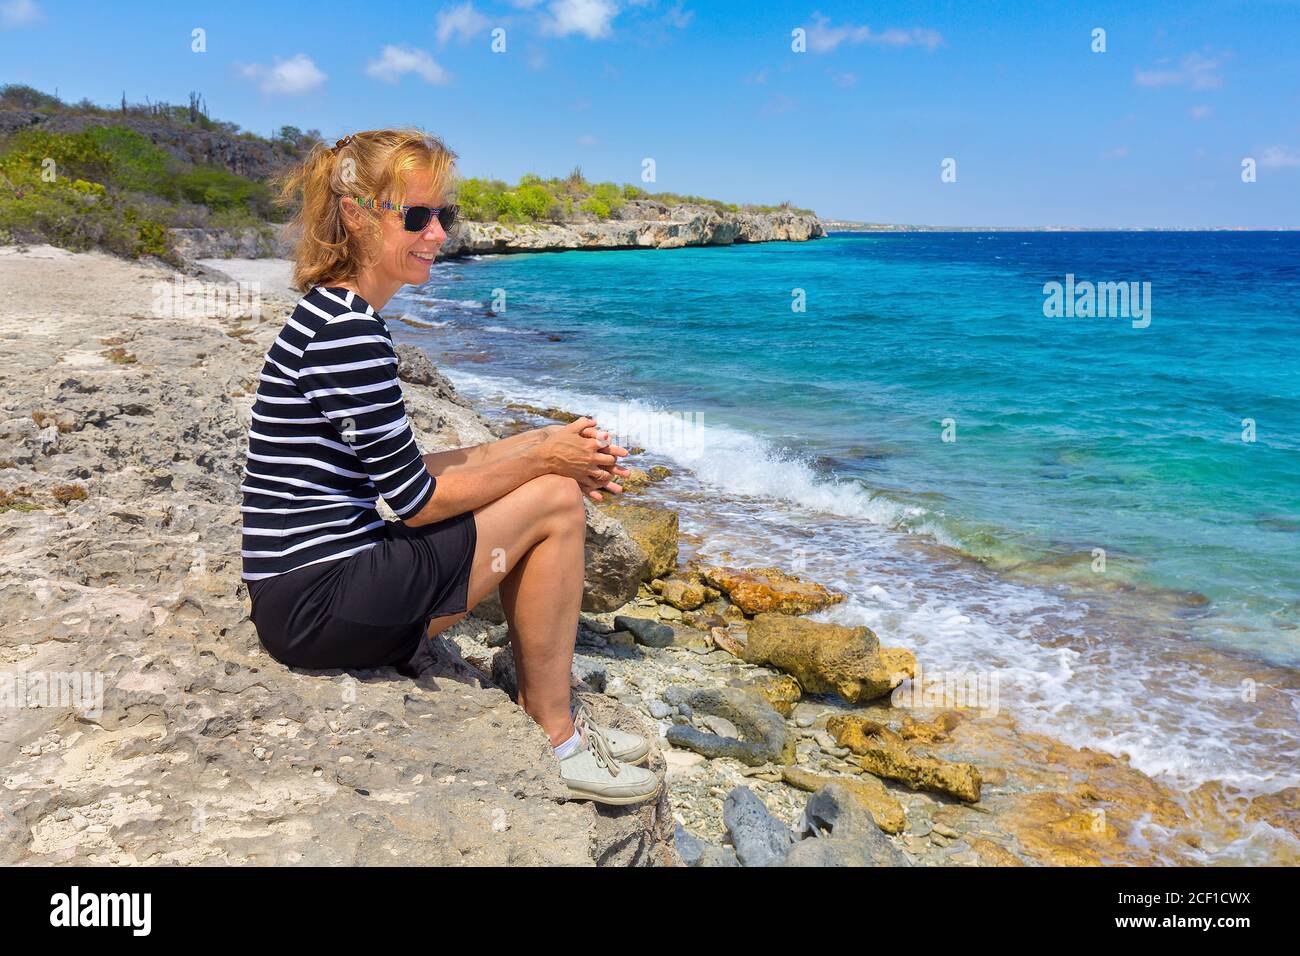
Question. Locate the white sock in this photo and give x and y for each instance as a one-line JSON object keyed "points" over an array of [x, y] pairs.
{"points": [[569, 746]]}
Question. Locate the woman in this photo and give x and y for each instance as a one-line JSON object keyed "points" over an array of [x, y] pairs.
{"points": [[333, 585]]}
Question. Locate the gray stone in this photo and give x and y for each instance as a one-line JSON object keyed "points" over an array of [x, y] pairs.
{"points": [[760, 839], [835, 812], [765, 736], [695, 852], [647, 632]]}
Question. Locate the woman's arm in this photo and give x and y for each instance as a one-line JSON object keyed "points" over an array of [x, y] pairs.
{"points": [[465, 487], [440, 463], [562, 450]]}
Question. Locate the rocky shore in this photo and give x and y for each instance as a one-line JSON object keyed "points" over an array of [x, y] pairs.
{"points": [[638, 224], [776, 733]]}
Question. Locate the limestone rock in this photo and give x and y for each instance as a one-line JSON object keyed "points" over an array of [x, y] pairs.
{"points": [[616, 564], [651, 225], [655, 532], [780, 690], [882, 752], [827, 658], [683, 595], [766, 590]]}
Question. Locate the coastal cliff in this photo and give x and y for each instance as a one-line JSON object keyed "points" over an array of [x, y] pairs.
{"points": [[639, 224]]}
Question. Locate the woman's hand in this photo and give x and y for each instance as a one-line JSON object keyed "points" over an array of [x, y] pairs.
{"points": [[581, 451], [601, 481]]}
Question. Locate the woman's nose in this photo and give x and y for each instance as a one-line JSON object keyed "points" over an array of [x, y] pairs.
{"points": [[434, 232]]}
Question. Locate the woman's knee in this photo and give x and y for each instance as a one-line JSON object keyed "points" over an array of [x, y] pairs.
{"points": [[560, 498]]}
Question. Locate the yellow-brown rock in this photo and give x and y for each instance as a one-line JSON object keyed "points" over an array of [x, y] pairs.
{"points": [[929, 732], [870, 792], [728, 642], [683, 595], [654, 530], [770, 590], [634, 482], [827, 658], [882, 752], [781, 690]]}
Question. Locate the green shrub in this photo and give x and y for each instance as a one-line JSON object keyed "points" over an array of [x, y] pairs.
{"points": [[77, 215], [595, 206], [534, 200]]}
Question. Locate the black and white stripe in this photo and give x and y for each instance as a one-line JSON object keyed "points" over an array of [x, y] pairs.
{"points": [[329, 436]]}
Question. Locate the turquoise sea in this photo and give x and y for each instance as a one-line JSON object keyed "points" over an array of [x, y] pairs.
{"points": [[1103, 510]]}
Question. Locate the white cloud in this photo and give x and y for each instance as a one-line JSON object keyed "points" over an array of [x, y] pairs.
{"points": [[1119, 152], [396, 61], [20, 13], [298, 74], [679, 17], [587, 139], [1196, 70], [1279, 157], [463, 23], [824, 38], [1200, 112], [592, 18]]}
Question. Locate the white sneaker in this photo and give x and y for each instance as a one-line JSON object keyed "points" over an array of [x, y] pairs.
{"points": [[625, 746], [592, 773]]}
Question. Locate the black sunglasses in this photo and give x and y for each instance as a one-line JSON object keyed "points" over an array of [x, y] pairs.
{"points": [[416, 218]]}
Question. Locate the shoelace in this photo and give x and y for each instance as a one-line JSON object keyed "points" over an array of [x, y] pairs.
{"points": [[596, 741]]}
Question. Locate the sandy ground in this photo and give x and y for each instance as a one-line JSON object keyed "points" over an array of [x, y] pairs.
{"points": [[271, 275]]}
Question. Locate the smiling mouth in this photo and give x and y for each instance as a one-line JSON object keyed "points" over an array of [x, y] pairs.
{"points": [[425, 256]]}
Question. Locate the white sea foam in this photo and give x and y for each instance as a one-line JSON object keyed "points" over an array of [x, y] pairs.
{"points": [[725, 458]]}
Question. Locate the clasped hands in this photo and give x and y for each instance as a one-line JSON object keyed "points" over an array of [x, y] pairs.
{"points": [[582, 451]]}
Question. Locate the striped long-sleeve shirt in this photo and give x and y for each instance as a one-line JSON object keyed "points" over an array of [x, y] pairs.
{"points": [[329, 435]]}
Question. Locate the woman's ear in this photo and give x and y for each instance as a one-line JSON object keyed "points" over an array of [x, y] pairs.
{"points": [[351, 213]]}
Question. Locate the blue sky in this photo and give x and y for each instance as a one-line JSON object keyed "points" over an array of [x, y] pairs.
{"points": [[1044, 131]]}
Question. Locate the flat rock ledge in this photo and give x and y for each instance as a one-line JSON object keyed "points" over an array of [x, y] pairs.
{"points": [[124, 436]]}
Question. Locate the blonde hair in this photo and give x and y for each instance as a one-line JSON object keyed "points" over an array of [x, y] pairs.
{"points": [[370, 165]]}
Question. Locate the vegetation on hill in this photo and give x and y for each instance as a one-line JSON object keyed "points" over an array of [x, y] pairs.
{"points": [[568, 199], [84, 176]]}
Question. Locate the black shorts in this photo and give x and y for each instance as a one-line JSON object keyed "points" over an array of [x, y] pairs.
{"points": [[370, 609]]}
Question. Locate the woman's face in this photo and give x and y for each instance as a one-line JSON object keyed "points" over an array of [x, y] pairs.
{"points": [[405, 257]]}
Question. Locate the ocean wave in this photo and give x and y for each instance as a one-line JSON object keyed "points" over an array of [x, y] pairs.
{"points": [[723, 457]]}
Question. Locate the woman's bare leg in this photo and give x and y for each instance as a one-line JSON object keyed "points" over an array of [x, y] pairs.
{"points": [[530, 544]]}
